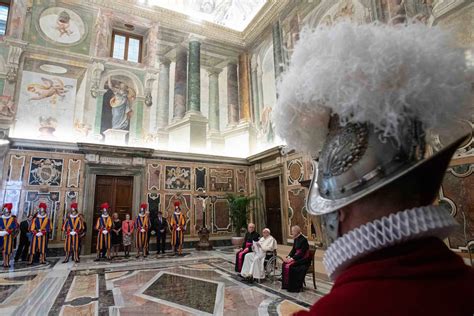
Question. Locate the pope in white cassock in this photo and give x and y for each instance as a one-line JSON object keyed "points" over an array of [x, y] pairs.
{"points": [[254, 262]]}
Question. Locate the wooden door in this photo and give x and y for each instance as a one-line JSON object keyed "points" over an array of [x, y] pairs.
{"points": [[118, 192], [273, 208]]}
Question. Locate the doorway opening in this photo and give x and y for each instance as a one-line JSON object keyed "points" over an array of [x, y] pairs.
{"points": [[118, 192], [273, 208]]}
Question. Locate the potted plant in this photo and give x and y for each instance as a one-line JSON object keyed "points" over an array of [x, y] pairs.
{"points": [[238, 206]]}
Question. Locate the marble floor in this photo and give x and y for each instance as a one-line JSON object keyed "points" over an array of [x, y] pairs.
{"points": [[198, 283]]}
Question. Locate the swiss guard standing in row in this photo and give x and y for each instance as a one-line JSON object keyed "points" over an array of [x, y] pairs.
{"points": [[142, 224], [73, 227], [103, 226], [178, 227], [8, 229], [40, 228]]}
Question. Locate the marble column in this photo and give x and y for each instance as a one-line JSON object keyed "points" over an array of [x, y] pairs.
{"points": [[255, 101], [194, 80], [232, 94], [244, 87], [162, 112], [277, 49], [180, 83], [214, 100]]}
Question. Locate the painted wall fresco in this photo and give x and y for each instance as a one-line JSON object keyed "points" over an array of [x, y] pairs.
{"points": [[62, 25], [62, 28], [118, 103], [46, 105]]}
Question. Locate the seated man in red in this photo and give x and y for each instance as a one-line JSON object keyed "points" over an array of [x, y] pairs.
{"points": [[296, 263], [363, 98], [250, 236]]}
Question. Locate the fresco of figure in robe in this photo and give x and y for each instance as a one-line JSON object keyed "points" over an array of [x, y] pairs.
{"points": [[117, 105]]}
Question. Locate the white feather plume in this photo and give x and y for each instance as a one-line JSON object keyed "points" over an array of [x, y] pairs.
{"points": [[372, 73]]}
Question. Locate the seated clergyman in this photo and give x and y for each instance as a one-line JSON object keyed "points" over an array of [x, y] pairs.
{"points": [[296, 263], [253, 266], [250, 236]]}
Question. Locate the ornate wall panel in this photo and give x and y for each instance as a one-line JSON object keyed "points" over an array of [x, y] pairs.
{"points": [[153, 175], [178, 178], [45, 171], [16, 170], [295, 171], [457, 195], [221, 179], [153, 200], [200, 179], [220, 215], [297, 214], [242, 180], [74, 173]]}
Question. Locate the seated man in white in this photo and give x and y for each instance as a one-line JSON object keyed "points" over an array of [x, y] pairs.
{"points": [[253, 266]]}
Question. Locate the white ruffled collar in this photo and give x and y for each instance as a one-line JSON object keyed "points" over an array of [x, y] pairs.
{"points": [[6, 217], [427, 221], [105, 215], [73, 216], [41, 216]]}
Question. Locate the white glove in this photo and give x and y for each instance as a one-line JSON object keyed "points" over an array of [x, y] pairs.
{"points": [[72, 233], [39, 234], [142, 230], [178, 229], [105, 232], [3, 233]]}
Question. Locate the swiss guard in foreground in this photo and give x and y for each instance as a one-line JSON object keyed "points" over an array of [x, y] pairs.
{"points": [[73, 227], [103, 227], [40, 228], [178, 227], [8, 230], [142, 225], [363, 98]]}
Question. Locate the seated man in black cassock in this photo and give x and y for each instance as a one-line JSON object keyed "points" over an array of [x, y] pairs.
{"points": [[296, 263], [250, 236]]}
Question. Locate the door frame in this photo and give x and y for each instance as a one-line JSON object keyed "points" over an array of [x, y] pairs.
{"points": [[260, 190], [91, 173]]}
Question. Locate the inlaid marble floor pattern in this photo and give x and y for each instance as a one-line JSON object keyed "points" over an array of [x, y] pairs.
{"points": [[199, 283]]}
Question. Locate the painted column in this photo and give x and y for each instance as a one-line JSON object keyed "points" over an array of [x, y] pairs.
{"points": [[255, 101], [194, 80], [261, 101], [98, 111], [214, 100], [244, 87], [162, 114], [136, 123], [180, 83], [277, 50], [232, 94]]}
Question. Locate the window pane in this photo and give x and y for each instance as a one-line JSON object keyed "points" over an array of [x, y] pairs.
{"points": [[3, 19], [119, 47], [133, 49]]}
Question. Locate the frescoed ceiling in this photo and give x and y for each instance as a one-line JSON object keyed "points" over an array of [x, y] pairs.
{"points": [[234, 14]]}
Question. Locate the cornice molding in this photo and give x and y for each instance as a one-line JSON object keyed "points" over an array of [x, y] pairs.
{"points": [[173, 20]]}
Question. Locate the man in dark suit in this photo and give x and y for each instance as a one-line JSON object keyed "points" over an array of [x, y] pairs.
{"points": [[160, 226], [24, 240]]}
